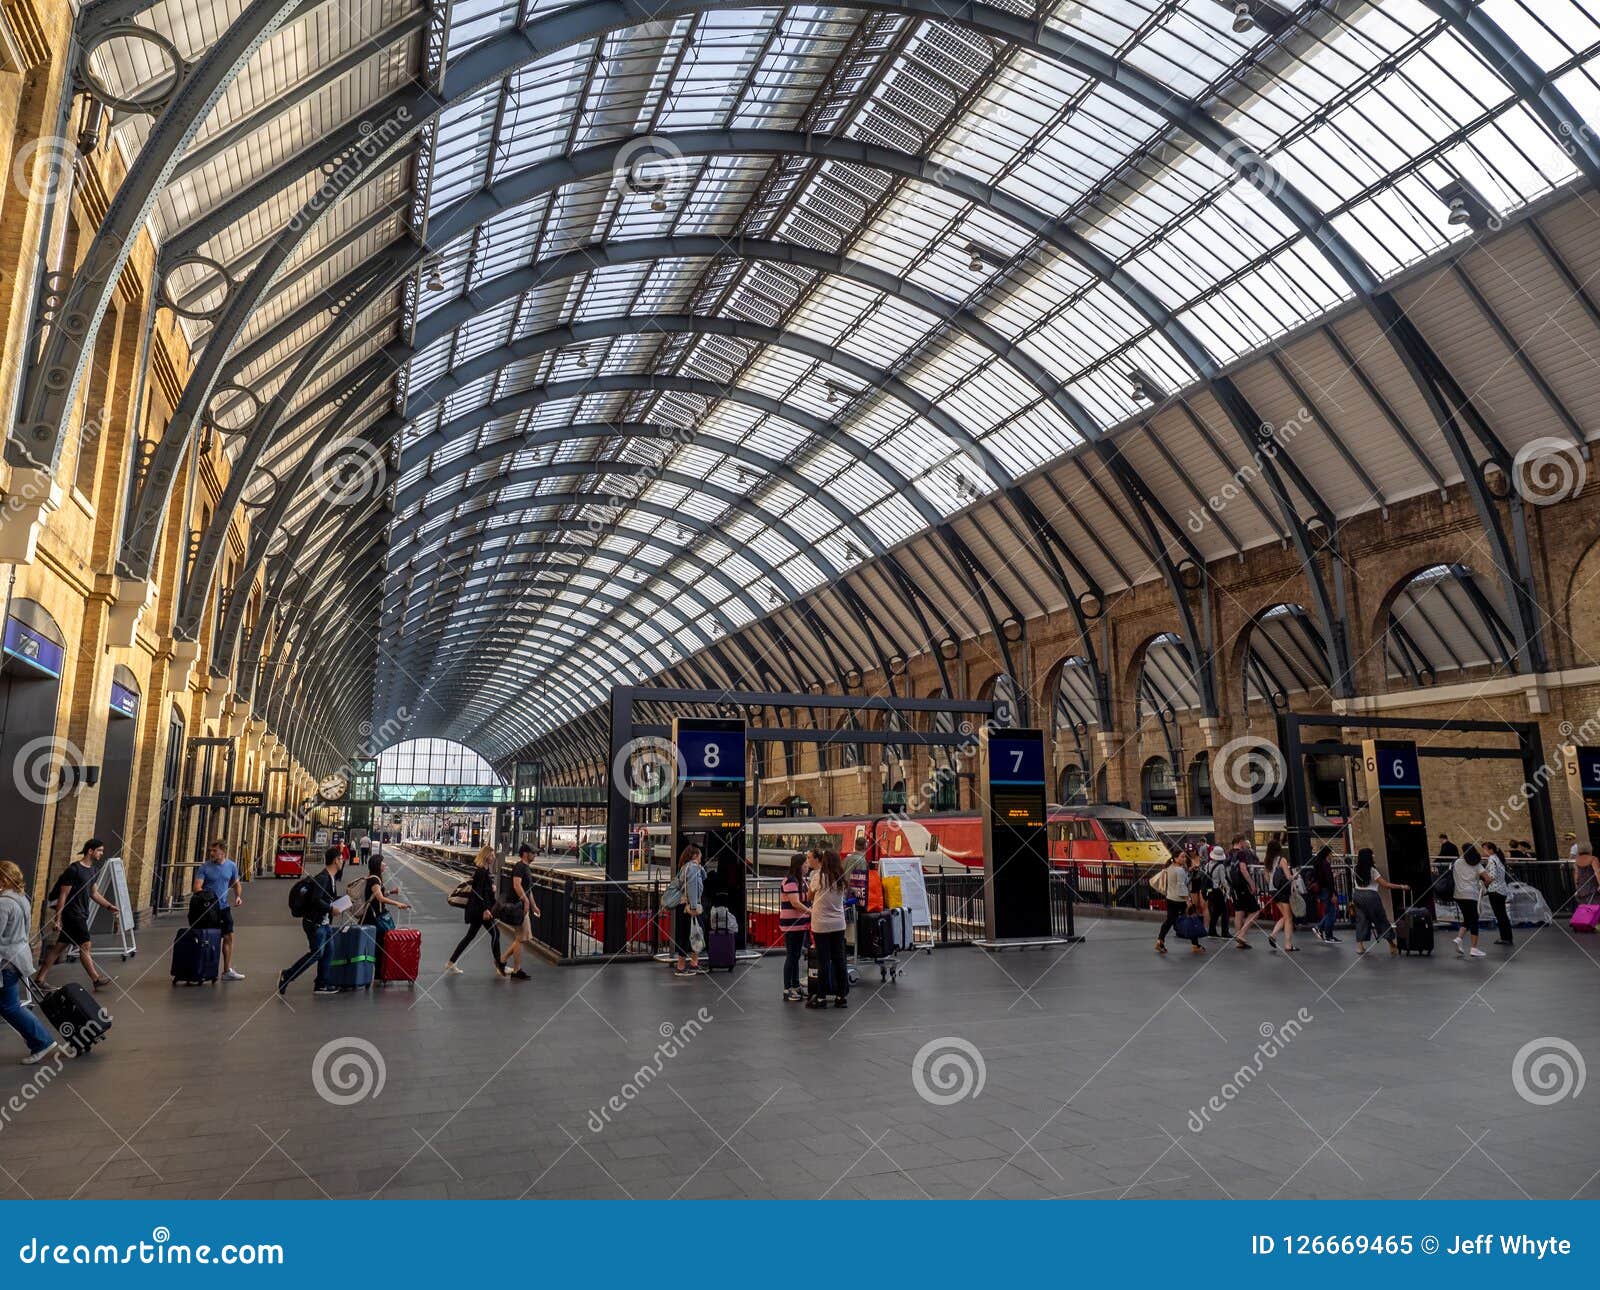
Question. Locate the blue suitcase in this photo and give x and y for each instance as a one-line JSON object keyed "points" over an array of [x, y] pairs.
{"points": [[196, 956], [353, 957]]}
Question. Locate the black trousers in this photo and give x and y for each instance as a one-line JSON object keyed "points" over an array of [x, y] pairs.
{"points": [[318, 937], [1502, 916], [1217, 903], [831, 964], [1175, 910], [472, 934], [794, 950]]}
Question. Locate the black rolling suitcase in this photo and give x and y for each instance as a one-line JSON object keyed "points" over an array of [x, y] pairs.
{"points": [[1413, 932], [874, 935], [76, 1015], [813, 970]]}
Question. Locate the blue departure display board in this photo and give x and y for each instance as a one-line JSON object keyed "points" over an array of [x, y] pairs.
{"points": [[1016, 760], [715, 756], [1397, 765]]}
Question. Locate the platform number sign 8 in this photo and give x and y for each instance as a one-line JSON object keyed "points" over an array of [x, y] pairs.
{"points": [[713, 757]]}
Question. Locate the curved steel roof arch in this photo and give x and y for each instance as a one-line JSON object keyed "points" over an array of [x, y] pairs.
{"points": [[1468, 473]]}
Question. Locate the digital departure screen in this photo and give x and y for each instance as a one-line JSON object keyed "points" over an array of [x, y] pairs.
{"points": [[1016, 850], [1397, 776]]}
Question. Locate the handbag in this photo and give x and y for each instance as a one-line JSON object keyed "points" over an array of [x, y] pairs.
{"points": [[672, 893], [1191, 927], [383, 920], [697, 936], [461, 895], [510, 912], [1158, 883]]}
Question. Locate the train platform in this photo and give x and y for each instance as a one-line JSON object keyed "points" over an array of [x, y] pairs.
{"points": [[1101, 1070]]}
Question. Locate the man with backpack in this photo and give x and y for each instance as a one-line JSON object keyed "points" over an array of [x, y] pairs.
{"points": [[1243, 886], [1216, 871], [311, 901]]}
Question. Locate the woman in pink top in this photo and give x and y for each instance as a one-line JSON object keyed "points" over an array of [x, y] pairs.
{"points": [[794, 920]]}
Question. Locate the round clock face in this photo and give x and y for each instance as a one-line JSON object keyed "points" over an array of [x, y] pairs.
{"points": [[334, 786]]}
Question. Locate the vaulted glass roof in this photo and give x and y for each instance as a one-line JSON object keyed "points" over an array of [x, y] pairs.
{"points": [[722, 305]]}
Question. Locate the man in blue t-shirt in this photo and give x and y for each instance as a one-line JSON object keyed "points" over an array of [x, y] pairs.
{"points": [[219, 878]]}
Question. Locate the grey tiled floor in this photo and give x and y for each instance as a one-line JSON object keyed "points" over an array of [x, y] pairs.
{"points": [[1400, 1084]]}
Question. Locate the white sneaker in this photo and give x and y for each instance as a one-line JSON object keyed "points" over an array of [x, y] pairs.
{"points": [[1478, 954], [231, 975], [451, 967], [1460, 949], [33, 1059]]}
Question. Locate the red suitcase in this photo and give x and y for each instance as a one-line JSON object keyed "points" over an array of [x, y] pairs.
{"points": [[400, 955]]}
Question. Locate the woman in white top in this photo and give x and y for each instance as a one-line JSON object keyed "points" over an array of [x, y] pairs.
{"points": [[1467, 872], [827, 930], [1497, 889], [1173, 885]]}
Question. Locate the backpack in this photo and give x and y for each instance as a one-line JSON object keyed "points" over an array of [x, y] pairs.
{"points": [[1217, 875], [1238, 874], [1444, 886], [307, 899], [1199, 881]]}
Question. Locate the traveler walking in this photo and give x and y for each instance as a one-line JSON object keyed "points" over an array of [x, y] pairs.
{"points": [[827, 927], [521, 892], [1366, 902], [311, 900], [794, 921], [16, 963], [74, 894], [1325, 886], [219, 878], [1467, 873], [1221, 921], [685, 896], [1585, 875], [480, 911], [375, 901], [1280, 890], [1497, 887], [1243, 885], [1172, 885]]}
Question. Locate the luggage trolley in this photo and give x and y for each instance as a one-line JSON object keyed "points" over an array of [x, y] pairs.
{"points": [[880, 938]]}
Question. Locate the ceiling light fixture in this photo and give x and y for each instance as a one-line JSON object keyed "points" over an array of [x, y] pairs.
{"points": [[1467, 207], [974, 257], [436, 280], [1242, 19], [1142, 389]]}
